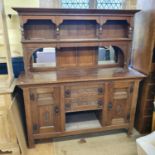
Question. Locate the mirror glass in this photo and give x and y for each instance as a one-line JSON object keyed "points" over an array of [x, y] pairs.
{"points": [[44, 57], [107, 55]]}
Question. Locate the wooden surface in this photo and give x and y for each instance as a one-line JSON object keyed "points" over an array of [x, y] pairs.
{"points": [[93, 74], [143, 60], [54, 11], [76, 38], [78, 83]]}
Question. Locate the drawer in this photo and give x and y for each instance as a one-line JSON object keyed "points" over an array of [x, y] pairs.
{"points": [[80, 104], [84, 90], [151, 91]]}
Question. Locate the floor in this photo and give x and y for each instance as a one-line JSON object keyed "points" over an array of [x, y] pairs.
{"points": [[72, 144], [46, 148]]}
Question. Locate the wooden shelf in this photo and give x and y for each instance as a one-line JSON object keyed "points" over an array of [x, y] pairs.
{"points": [[74, 40], [85, 109], [85, 120]]}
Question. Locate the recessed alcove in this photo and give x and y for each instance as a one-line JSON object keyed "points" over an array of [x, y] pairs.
{"points": [[83, 120], [39, 29], [77, 29], [111, 55], [115, 29], [75, 57], [44, 58]]}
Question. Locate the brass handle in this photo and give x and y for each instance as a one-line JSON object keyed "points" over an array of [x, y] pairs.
{"points": [[56, 110], [110, 106], [67, 93], [100, 103], [100, 90]]}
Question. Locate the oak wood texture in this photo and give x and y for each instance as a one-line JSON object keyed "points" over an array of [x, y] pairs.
{"points": [[65, 30], [77, 84], [143, 61]]}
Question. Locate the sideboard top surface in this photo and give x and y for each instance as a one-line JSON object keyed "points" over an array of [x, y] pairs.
{"points": [[78, 75], [55, 11]]}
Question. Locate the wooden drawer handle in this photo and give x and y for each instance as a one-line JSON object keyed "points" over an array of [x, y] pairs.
{"points": [[67, 93]]}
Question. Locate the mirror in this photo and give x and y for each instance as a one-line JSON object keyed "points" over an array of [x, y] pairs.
{"points": [[107, 55], [44, 57]]}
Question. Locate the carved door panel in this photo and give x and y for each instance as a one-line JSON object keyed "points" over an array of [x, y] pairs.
{"points": [[45, 109], [119, 103]]}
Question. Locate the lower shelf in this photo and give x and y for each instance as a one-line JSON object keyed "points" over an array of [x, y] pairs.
{"points": [[82, 120]]}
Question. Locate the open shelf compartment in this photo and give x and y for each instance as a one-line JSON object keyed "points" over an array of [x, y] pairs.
{"points": [[83, 120]]}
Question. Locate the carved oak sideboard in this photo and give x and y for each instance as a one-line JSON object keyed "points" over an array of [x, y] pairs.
{"points": [[87, 85]]}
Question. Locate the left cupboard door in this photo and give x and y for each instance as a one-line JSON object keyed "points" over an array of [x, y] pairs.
{"points": [[45, 109]]}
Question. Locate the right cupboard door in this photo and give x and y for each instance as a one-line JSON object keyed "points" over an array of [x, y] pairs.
{"points": [[119, 102]]}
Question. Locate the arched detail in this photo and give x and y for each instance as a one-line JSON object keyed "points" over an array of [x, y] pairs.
{"points": [[121, 55], [32, 58], [111, 56]]}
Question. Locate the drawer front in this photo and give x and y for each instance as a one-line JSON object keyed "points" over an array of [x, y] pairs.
{"points": [[84, 96], [84, 90], [79, 104]]}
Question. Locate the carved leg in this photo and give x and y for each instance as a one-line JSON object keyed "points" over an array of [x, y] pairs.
{"points": [[28, 117], [31, 143], [129, 131]]}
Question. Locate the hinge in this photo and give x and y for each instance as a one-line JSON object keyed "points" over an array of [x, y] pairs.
{"points": [[35, 127], [32, 98], [132, 87], [128, 116]]}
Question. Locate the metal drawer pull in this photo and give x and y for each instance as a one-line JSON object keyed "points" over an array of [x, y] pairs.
{"points": [[100, 103], [100, 90], [67, 93], [56, 110]]}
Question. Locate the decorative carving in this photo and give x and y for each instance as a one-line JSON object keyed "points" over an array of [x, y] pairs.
{"points": [[130, 32], [46, 117], [58, 32]]}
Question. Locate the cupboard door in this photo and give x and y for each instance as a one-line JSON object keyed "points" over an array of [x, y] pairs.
{"points": [[45, 109], [119, 103]]}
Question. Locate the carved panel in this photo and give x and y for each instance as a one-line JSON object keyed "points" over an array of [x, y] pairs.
{"points": [[44, 101]]}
